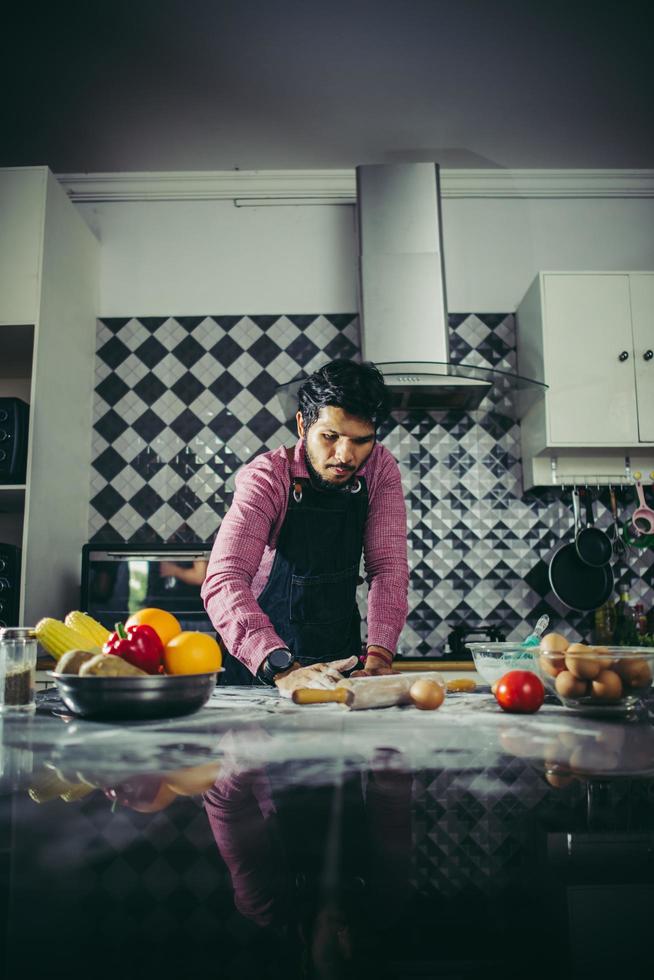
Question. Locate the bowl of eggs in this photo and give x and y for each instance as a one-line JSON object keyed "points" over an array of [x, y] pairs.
{"points": [[494, 660], [595, 679]]}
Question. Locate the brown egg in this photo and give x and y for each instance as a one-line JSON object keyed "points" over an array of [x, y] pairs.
{"points": [[558, 780], [569, 686], [581, 662], [607, 686], [604, 661], [551, 663], [612, 737], [590, 756], [634, 672], [427, 694], [553, 643]]}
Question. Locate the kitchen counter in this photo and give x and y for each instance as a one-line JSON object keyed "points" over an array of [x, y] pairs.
{"points": [[390, 843]]}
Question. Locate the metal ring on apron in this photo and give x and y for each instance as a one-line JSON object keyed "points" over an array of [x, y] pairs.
{"points": [[356, 487], [297, 492]]}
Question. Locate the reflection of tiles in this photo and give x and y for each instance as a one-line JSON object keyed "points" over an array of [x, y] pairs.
{"points": [[182, 402]]}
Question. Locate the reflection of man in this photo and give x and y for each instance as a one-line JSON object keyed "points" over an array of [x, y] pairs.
{"points": [[281, 583], [315, 868]]}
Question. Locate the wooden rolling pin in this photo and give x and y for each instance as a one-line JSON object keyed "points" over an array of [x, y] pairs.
{"points": [[373, 692]]}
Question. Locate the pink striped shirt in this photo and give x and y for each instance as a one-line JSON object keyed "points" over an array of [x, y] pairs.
{"points": [[244, 550]]}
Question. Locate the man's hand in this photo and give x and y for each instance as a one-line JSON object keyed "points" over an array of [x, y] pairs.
{"points": [[317, 675], [379, 661]]}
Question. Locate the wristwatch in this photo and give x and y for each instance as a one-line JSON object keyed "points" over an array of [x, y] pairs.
{"points": [[275, 663]]}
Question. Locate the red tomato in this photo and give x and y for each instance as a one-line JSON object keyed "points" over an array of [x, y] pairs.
{"points": [[520, 691]]}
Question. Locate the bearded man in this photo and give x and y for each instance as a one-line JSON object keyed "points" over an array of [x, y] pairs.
{"points": [[281, 584]]}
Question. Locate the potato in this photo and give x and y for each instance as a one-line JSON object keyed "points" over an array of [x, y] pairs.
{"points": [[109, 665], [71, 662]]}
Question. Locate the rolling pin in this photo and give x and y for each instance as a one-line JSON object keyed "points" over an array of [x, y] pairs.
{"points": [[372, 692]]}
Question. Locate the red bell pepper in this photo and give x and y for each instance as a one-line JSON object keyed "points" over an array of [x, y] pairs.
{"points": [[138, 645]]}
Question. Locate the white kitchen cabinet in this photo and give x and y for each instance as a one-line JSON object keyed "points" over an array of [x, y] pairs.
{"points": [[590, 337], [48, 305]]}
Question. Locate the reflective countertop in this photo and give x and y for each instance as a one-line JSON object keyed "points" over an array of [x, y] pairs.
{"points": [[256, 838]]}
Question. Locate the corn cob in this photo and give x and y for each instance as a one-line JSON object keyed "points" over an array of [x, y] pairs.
{"points": [[76, 792], [56, 638], [82, 623], [47, 786]]}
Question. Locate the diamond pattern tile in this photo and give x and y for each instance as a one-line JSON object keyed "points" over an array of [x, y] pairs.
{"points": [[182, 402]]}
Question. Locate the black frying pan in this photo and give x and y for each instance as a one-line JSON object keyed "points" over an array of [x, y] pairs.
{"points": [[578, 585], [593, 545]]}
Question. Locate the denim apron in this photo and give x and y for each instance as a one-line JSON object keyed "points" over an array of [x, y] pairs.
{"points": [[310, 596]]}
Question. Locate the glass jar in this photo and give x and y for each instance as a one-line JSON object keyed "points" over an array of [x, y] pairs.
{"points": [[17, 669]]}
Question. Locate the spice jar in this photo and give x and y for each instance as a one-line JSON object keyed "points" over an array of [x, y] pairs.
{"points": [[17, 669]]}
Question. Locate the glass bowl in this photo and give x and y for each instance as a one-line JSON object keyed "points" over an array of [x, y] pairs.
{"points": [[598, 680], [494, 660]]}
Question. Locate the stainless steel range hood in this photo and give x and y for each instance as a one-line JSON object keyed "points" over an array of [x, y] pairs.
{"points": [[403, 303], [402, 296]]}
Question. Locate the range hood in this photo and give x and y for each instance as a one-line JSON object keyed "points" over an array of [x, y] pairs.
{"points": [[402, 296], [403, 303]]}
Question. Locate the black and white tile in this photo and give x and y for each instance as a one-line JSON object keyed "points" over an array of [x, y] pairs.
{"points": [[182, 402]]}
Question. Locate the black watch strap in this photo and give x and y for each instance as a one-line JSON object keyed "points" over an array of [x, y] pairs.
{"points": [[275, 663]]}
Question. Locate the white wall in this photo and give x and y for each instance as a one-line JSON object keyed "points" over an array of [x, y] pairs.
{"points": [[191, 257], [186, 257]]}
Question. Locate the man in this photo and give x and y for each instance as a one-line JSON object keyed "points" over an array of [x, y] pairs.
{"points": [[281, 583]]}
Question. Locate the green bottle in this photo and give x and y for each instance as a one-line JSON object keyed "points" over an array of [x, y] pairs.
{"points": [[625, 633]]}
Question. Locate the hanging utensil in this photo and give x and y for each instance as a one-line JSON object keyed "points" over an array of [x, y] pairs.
{"points": [[618, 544], [593, 545], [578, 585], [642, 519]]}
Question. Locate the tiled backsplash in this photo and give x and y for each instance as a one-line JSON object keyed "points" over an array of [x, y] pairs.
{"points": [[182, 402]]}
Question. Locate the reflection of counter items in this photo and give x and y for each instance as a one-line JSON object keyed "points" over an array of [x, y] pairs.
{"points": [[145, 792], [599, 750]]}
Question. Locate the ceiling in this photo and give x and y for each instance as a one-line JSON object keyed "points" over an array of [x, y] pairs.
{"points": [[161, 85]]}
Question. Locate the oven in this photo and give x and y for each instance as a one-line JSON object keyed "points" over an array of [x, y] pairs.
{"points": [[119, 579], [14, 420], [9, 584]]}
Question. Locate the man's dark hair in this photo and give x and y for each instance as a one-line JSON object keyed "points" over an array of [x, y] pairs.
{"points": [[358, 389]]}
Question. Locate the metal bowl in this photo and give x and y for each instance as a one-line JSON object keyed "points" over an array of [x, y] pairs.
{"points": [[134, 698]]}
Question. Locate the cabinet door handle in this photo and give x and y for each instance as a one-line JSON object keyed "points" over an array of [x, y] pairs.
{"points": [[648, 355], [623, 355]]}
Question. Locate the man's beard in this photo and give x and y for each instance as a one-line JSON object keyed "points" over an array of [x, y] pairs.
{"points": [[317, 480]]}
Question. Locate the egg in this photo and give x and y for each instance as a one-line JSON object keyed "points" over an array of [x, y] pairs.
{"points": [[605, 661], [590, 756], [427, 694], [579, 660], [607, 686], [551, 663], [558, 780], [634, 672], [553, 643], [569, 686]]}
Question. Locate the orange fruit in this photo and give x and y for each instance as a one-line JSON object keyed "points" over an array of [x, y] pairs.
{"points": [[163, 798], [190, 782], [163, 623], [192, 653]]}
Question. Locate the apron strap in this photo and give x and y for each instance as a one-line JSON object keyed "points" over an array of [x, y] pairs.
{"points": [[297, 486]]}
